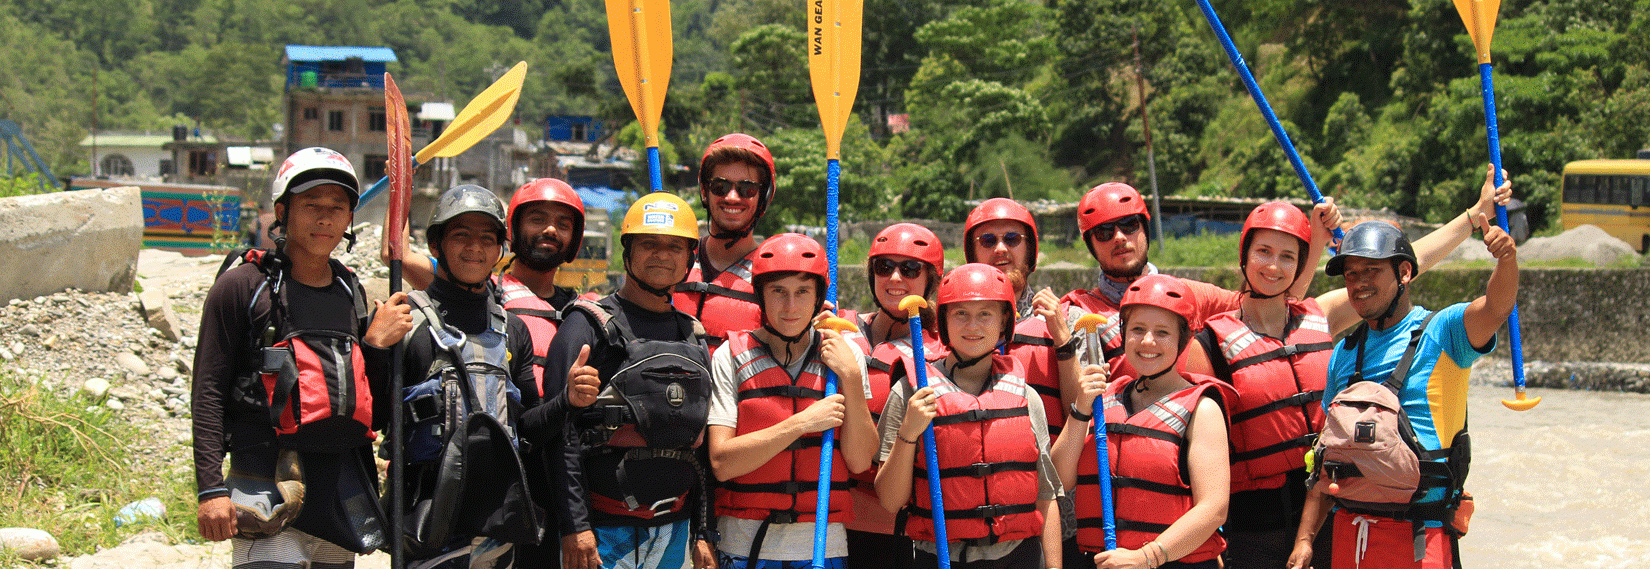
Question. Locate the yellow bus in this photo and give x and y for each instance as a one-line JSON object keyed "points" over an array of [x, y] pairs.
{"points": [[1611, 194], [588, 271]]}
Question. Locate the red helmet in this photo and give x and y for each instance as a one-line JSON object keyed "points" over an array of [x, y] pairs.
{"points": [[1280, 216], [750, 144], [1163, 291], [995, 209], [975, 281], [1106, 202], [553, 191], [791, 252], [910, 240]]}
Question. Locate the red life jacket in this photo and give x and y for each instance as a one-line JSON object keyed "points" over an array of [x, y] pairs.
{"points": [[541, 319], [1279, 385], [1151, 486], [1033, 347], [987, 458], [784, 489], [724, 305]]}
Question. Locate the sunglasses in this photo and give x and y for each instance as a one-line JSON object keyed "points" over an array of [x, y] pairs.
{"points": [[883, 267], [1129, 226], [747, 189], [1011, 239]]}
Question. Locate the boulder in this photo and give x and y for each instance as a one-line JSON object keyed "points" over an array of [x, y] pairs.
{"points": [[87, 239]]}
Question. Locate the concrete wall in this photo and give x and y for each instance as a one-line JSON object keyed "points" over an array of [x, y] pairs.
{"points": [[1572, 315], [86, 239]]}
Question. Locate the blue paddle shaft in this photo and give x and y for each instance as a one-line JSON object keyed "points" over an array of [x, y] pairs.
{"points": [[822, 503], [1103, 461], [1265, 107], [378, 188], [936, 498], [1486, 79], [653, 174]]}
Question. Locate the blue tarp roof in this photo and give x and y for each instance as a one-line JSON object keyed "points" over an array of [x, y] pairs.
{"points": [[602, 197], [338, 53]]}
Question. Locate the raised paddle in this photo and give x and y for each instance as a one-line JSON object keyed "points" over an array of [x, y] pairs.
{"points": [[1255, 93], [641, 40], [399, 171], [481, 117], [833, 65], [913, 305], [1090, 325], [1479, 16]]}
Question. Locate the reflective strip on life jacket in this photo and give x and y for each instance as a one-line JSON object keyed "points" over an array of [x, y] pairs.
{"points": [[1279, 385]]}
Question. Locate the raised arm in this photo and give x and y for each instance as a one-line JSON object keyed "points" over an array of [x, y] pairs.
{"points": [[1486, 313]]}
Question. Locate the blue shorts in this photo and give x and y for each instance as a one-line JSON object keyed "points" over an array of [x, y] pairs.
{"points": [[727, 560], [669, 546]]}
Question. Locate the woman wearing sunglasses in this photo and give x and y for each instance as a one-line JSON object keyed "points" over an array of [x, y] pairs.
{"points": [[905, 259], [736, 185], [996, 478]]}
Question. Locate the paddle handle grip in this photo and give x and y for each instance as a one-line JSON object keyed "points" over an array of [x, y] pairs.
{"points": [[1265, 107], [395, 440], [1486, 79], [378, 187], [936, 498], [822, 494]]}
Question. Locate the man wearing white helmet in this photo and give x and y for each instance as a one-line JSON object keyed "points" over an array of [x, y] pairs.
{"points": [[301, 489]]}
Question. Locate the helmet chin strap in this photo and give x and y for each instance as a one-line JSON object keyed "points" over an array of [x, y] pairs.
{"points": [[1391, 306], [733, 237], [962, 363], [1140, 384], [898, 317]]}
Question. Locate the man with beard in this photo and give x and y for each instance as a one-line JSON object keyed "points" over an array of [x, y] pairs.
{"points": [[736, 185], [1002, 233]]}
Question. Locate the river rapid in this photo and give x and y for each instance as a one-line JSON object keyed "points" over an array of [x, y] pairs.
{"points": [[1564, 484]]}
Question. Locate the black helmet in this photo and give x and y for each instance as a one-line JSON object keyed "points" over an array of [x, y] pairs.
{"points": [[1372, 240], [458, 201]]}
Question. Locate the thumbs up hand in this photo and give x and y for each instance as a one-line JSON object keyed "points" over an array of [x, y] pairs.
{"points": [[582, 382]]}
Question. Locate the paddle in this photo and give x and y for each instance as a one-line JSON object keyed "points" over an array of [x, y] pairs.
{"points": [[833, 65], [481, 117], [1265, 107], [1090, 325], [399, 170], [640, 32], [913, 305], [1479, 16]]}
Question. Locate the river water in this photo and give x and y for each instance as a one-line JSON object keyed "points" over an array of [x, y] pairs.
{"points": [[1566, 484]]}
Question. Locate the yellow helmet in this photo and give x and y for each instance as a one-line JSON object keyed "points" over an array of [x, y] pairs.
{"points": [[660, 213]]}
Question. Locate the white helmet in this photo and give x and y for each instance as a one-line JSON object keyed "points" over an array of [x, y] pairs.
{"points": [[311, 167]]}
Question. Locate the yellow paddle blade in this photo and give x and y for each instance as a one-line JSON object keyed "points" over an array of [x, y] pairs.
{"points": [[1089, 322], [834, 32], [839, 324], [912, 304], [642, 55], [1479, 16], [481, 117]]}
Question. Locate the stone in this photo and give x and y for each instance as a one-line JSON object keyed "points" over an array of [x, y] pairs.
{"points": [[167, 373], [130, 362], [114, 404], [148, 537], [6, 355], [29, 544], [96, 387], [101, 230], [30, 330]]}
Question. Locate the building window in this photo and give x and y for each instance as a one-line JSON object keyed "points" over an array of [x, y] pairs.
{"points": [[202, 163], [166, 167], [578, 131], [374, 167], [312, 113], [115, 165], [375, 119], [335, 120]]}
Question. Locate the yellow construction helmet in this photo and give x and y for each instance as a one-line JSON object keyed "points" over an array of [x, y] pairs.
{"points": [[660, 213]]}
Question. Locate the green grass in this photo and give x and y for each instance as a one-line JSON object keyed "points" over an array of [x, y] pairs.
{"points": [[66, 468], [1205, 250]]}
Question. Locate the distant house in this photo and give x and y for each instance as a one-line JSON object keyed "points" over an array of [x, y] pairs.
{"points": [[134, 156], [334, 97], [573, 128]]}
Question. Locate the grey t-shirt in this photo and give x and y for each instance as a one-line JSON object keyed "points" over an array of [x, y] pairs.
{"points": [[1048, 483]]}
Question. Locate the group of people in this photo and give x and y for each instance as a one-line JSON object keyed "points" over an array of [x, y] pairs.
{"points": [[679, 421]]}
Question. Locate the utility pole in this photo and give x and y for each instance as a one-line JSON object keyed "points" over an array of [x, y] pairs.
{"points": [[1151, 157]]}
